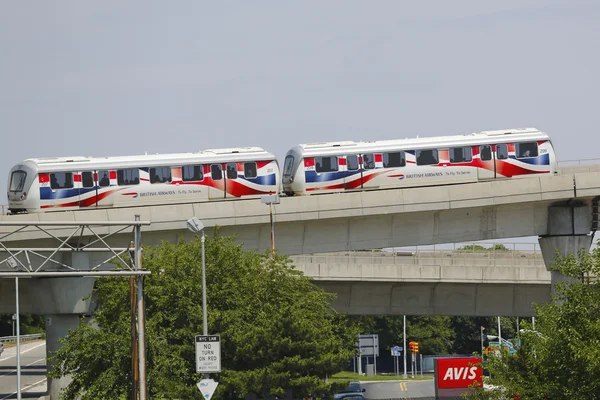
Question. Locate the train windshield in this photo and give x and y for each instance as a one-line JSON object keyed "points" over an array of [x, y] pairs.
{"points": [[17, 181], [287, 167]]}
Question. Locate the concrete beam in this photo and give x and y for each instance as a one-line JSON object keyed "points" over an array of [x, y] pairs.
{"points": [[460, 299]]}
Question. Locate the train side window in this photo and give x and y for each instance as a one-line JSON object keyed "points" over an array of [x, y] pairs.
{"points": [[103, 178], [61, 180], [250, 170], [352, 162], [460, 155], [192, 173], [232, 172], [525, 150], [391, 160], [287, 167], [427, 157], [160, 174], [216, 172], [87, 179], [369, 161], [485, 152], [326, 164], [501, 151], [128, 176]]}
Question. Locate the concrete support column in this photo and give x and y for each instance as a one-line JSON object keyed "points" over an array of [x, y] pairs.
{"points": [[58, 325], [569, 229]]}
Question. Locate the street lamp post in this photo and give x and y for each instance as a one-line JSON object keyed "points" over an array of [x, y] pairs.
{"points": [[482, 329], [270, 200], [196, 226]]}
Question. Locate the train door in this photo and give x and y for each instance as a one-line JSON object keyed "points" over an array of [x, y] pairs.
{"points": [[353, 176], [217, 189], [95, 189], [367, 169], [230, 179], [487, 166]]}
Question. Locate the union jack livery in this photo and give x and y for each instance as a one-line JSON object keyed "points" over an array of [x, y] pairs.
{"points": [[48, 184], [344, 166]]}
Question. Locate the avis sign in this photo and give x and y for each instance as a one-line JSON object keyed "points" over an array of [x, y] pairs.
{"points": [[208, 353], [453, 376]]}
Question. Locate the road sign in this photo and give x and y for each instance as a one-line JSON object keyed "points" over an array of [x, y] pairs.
{"points": [[14, 317], [396, 353], [207, 387], [397, 348], [368, 345], [208, 353]]}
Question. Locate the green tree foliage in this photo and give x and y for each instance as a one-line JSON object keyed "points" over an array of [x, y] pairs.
{"points": [[561, 359], [278, 330], [478, 247]]}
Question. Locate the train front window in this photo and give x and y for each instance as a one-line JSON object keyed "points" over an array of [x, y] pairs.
{"points": [[250, 170], [525, 150], [287, 167], [17, 181]]}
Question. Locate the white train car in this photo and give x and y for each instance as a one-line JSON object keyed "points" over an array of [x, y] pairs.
{"points": [[343, 166], [69, 183]]}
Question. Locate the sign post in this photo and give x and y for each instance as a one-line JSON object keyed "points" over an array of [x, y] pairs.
{"points": [[208, 353], [396, 352]]}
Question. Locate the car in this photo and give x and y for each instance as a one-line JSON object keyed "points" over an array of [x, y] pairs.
{"points": [[352, 392]]}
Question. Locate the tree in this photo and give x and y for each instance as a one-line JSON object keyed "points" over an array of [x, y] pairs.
{"points": [[561, 359], [278, 330]]}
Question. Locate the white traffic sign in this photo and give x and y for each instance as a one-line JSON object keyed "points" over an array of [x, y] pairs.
{"points": [[14, 317], [207, 387], [208, 353]]}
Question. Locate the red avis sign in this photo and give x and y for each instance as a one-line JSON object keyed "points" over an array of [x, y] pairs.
{"points": [[457, 373]]}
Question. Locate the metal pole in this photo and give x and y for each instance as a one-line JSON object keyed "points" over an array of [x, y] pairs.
{"points": [[140, 312], [412, 365], [533, 323], [204, 312], [481, 328], [499, 335], [13, 323], [134, 333], [18, 340], [272, 230], [404, 374], [421, 361]]}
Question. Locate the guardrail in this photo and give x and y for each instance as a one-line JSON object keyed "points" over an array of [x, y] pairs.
{"points": [[3, 209], [583, 161], [22, 338], [480, 254]]}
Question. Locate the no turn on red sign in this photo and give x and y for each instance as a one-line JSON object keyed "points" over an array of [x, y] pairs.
{"points": [[208, 353]]}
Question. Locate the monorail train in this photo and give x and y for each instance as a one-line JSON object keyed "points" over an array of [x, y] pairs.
{"points": [[47, 184], [342, 166]]}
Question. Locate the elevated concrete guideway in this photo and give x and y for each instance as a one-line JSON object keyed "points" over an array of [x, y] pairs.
{"points": [[365, 219], [443, 282]]}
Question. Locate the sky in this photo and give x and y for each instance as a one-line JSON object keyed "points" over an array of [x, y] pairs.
{"points": [[122, 78]]}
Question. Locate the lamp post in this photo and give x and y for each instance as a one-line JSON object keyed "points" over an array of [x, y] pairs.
{"points": [[196, 226], [270, 200], [482, 329]]}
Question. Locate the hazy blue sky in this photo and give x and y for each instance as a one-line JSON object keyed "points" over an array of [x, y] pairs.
{"points": [[123, 77]]}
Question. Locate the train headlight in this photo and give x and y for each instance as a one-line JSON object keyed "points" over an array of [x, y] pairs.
{"points": [[23, 196]]}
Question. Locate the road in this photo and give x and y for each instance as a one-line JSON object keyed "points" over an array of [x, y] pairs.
{"points": [[398, 389], [33, 371]]}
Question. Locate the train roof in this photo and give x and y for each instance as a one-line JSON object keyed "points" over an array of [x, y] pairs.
{"points": [[79, 163], [492, 137]]}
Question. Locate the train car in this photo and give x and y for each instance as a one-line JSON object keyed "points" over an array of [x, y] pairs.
{"points": [[343, 166], [70, 183]]}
